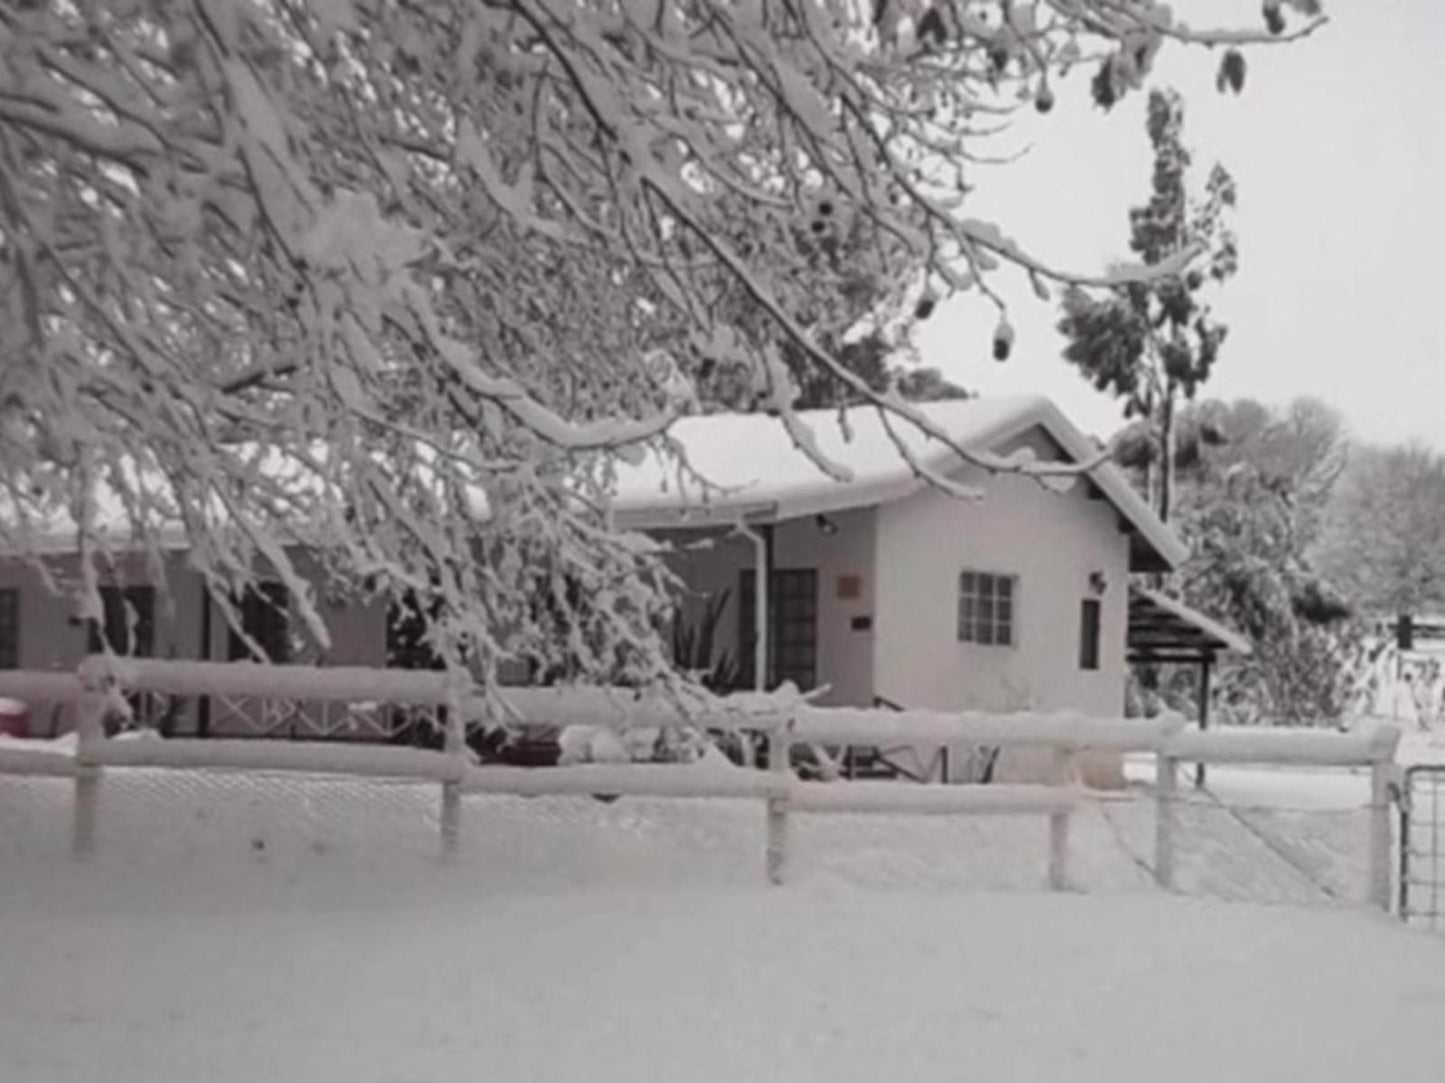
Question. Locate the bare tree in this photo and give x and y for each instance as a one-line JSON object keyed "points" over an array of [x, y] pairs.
{"points": [[1385, 538], [399, 280]]}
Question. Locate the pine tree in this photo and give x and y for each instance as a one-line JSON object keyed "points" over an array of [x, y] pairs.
{"points": [[1151, 343]]}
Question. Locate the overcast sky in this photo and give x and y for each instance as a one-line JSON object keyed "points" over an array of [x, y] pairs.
{"points": [[1338, 149]]}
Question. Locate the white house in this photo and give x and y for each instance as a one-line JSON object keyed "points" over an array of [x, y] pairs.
{"points": [[881, 586], [884, 587]]}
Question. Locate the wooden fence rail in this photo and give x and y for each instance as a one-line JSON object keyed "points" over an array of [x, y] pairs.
{"points": [[1374, 748], [99, 681]]}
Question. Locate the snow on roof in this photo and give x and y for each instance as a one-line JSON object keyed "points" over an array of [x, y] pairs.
{"points": [[54, 532], [752, 468]]}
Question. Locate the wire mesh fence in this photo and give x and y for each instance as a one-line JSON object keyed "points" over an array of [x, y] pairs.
{"points": [[220, 822], [1422, 846]]}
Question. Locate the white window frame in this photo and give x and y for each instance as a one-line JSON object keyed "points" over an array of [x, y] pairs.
{"points": [[995, 593]]}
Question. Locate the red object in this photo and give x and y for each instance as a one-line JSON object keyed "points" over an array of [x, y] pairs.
{"points": [[14, 718]]}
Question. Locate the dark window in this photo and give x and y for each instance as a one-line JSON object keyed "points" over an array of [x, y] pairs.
{"points": [[406, 642], [986, 608], [1090, 613], [792, 627], [266, 620], [9, 629], [1405, 633], [129, 625]]}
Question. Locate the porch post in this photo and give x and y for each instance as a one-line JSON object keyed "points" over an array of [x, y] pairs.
{"points": [[764, 586], [762, 539], [1205, 665]]}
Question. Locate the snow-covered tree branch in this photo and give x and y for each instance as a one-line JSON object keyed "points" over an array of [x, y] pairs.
{"points": [[398, 279]]}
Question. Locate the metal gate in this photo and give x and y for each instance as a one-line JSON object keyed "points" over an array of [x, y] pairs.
{"points": [[1422, 846]]}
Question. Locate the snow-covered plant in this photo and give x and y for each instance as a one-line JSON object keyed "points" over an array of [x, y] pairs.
{"points": [[397, 280]]}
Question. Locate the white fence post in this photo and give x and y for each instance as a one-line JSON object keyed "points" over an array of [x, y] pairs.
{"points": [[455, 746], [1059, 823], [1165, 786], [780, 755], [1382, 764], [90, 732]]}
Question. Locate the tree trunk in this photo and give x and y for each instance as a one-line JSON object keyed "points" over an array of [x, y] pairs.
{"points": [[1166, 452]]}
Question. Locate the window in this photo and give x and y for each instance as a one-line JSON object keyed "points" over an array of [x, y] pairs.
{"points": [[9, 629], [266, 620], [128, 626], [406, 630], [792, 627], [1090, 613], [986, 608]]}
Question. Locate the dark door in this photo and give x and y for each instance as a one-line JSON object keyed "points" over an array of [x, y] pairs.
{"points": [[792, 627]]}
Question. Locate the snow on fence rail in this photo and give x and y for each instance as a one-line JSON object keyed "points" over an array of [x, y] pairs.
{"points": [[1374, 748], [35, 761], [786, 720], [1064, 729], [561, 707], [373, 761]]}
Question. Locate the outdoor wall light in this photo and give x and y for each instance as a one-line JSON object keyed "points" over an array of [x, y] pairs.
{"points": [[826, 525], [1097, 583]]}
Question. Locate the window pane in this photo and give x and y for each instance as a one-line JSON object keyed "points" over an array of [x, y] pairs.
{"points": [[9, 629], [986, 607], [266, 621], [128, 622], [1090, 612]]}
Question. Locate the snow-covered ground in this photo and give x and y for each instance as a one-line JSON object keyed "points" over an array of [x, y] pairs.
{"points": [[245, 928]]}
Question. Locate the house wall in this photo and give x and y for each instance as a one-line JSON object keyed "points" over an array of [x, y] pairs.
{"points": [[50, 640], [845, 653], [1052, 542]]}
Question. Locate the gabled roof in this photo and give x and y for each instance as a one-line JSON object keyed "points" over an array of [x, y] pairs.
{"points": [[760, 475], [1164, 629]]}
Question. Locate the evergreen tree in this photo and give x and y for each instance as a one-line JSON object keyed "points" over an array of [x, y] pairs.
{"points": [[1152, 342]]}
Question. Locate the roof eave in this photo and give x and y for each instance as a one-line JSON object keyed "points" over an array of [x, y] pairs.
{"points": [[1227, 639]]}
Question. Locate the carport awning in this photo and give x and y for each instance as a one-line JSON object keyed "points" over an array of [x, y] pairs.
{"points": [[1164, 629]]}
